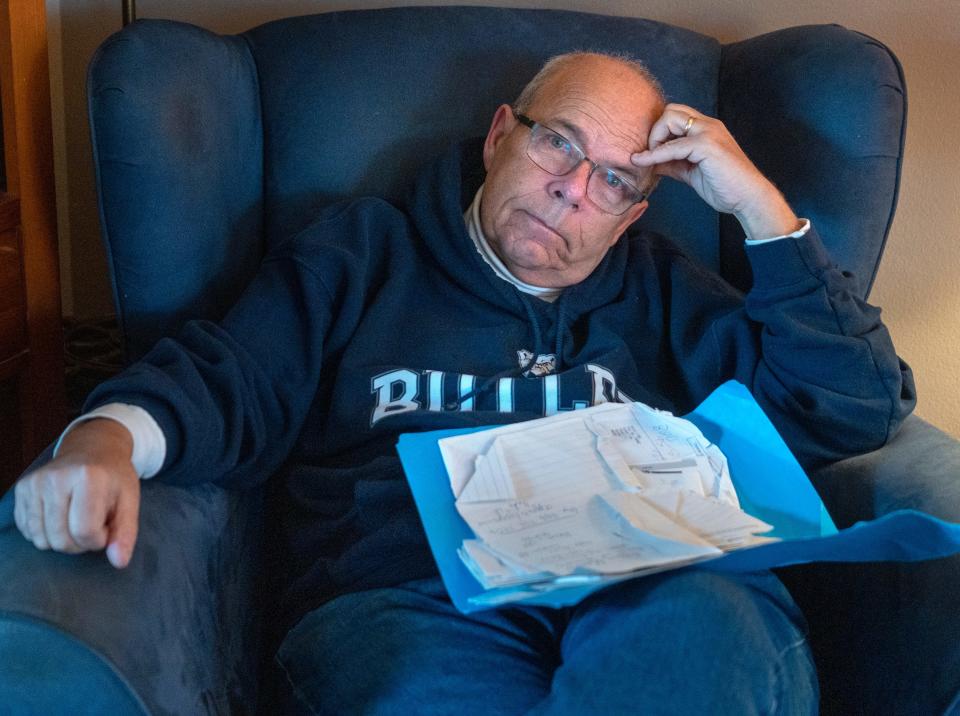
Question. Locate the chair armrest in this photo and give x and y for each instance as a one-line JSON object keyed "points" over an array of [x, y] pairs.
{"points": [[899, 619], [174, 632], [919, 469]]}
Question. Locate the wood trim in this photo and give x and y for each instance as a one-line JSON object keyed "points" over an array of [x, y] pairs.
{"points": [[9, 212], [28, 153], [13, 308], [13, 365]]}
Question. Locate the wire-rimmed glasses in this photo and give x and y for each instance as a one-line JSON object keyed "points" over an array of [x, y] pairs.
{"points": [[557, 155]]}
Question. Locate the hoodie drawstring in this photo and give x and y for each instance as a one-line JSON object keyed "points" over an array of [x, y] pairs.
{"points": [[512, 372], [561, 332]]}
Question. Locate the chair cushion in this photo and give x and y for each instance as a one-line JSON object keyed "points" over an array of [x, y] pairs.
{"points": [[176, 134], [822, 112], [354, 102]]}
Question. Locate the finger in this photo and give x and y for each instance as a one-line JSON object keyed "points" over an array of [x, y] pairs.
{"points": [[680, 108], [56, 506], [673, 123], [123, 528], [684, 148], [87, 520], [35, 520], [20, 497]]}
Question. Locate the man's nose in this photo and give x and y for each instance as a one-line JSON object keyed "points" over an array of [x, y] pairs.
{"points": [[572, 186]]}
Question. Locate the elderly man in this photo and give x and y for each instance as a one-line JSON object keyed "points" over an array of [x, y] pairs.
{"points": [[500, 291]]}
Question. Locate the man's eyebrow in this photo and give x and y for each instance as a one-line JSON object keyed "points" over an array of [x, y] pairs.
{"points": [[571, 129]]}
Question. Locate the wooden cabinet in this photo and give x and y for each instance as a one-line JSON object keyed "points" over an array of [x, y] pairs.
{"points": [[32, 396], [13, 304], [13, 334]]}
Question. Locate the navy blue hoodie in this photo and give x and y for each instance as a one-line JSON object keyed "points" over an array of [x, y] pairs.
{"points": [[377, 320]]}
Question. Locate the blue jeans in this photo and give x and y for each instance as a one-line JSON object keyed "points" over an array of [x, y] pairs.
{"points": [[683, 642]]}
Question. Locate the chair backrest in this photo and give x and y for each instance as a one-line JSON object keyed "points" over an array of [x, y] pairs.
{"points": [[208, 148]]}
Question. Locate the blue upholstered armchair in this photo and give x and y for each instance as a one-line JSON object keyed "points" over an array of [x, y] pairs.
{"points": [[208, 149]]}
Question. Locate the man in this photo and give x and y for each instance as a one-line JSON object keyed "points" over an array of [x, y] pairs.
{"points": [[496, 293]]}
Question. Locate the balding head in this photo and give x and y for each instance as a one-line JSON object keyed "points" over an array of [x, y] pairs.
{"points": [[558, 63], [545, 227]]}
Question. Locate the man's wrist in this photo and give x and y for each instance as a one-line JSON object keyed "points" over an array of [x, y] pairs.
{"points": [[798, 234], [148, 442], [770, 215], [109, 434]]}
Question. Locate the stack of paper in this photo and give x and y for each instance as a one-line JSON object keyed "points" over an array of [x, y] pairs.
{"points": [[604, 493]]}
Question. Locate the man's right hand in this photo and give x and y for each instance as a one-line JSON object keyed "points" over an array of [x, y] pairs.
{"points": [[87, 498]]}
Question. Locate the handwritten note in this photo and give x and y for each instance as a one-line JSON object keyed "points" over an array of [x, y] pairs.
{"points": [[601, 492]]}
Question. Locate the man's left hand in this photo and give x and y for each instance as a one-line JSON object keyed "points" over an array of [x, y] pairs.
{"points": [[699, 151]]}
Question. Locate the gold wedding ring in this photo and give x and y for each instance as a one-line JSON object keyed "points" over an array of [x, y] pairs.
{"points": [[690, 120]]}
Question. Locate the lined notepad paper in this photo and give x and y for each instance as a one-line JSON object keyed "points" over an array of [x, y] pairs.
{"points": [[597, 494]]}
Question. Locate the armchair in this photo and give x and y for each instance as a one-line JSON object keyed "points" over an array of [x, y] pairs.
{"points": [[209, 148]]}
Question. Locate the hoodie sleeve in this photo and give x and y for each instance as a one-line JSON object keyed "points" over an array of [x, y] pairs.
{"points": [[231, 397], [816, 357]]}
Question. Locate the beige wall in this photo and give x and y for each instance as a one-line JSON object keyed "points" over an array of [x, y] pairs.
{"points": [[917, 286]]}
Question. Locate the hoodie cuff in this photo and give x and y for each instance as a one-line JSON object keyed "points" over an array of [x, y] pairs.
{"points": [[149, 445], [802, 231], [788, 260]]}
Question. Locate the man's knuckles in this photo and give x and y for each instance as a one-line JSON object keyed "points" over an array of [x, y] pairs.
{"points": [[89, 536], [60, 541], [68, 479]]}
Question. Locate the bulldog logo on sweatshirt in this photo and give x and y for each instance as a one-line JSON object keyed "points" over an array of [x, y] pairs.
{"points": [[545, 363]]}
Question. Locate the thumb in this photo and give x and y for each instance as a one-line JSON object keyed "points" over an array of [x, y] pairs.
{"points": [[123, 528]]}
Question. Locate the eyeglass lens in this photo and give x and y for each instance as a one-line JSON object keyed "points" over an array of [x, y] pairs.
{"points": [[555, 154]]}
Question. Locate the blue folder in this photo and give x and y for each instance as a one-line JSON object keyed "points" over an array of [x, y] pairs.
{"points": [[770, 484]]}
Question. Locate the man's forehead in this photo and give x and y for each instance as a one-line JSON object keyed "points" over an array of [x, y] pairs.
{"points": [[599, 102], [607, 136], [590, 125]]}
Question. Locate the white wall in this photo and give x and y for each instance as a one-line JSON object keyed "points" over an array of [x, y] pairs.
{"points": [[917, 286]]}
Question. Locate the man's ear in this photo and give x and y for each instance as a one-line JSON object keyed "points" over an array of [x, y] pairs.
{"points": [[631, 215], [503, 122]]}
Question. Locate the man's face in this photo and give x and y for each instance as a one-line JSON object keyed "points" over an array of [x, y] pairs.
{"points": [[544, 227]]}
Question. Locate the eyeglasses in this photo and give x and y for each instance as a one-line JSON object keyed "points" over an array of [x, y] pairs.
{"points": [[557, 155]]}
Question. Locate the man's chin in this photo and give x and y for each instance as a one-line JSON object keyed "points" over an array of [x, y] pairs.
{"points": [[541, 275], [529, 257]]}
